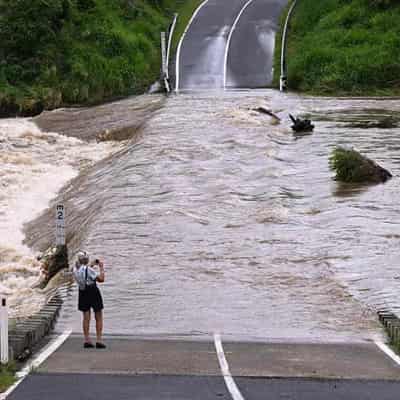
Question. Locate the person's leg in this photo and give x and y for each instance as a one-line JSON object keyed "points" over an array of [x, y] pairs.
{"points": [[99, 325], [86, 325]]}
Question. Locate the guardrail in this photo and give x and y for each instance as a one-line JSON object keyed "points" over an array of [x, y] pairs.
{"points": [[283, 77]]}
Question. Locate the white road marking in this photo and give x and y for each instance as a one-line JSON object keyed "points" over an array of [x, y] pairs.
{"points": [[178, 52], [388, 351], [42, 356], [228, 43], [229, 382]]}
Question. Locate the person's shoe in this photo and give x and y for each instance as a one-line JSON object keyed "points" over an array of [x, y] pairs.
{"points": [[88, 345], [100, 345]]}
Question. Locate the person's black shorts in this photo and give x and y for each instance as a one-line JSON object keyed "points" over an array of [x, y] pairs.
{"points": [[90, 298]]}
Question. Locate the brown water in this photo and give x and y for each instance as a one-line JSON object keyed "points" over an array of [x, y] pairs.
{"points": [[215, 219]]}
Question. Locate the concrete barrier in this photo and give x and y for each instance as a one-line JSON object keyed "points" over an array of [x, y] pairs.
{"points": [[26, 333], [392, 326]]}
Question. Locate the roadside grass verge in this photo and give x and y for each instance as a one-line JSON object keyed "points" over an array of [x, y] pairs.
{"points": [[343, 47], [7, 376]]}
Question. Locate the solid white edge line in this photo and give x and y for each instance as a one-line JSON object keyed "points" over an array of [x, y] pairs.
{"points": [[178, 52], [42, 356], [388, 351], [228, 43], [170, 36], [229, 381]]}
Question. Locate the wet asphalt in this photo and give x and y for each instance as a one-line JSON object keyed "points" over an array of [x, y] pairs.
{"points": [[165, 368], [155, 387], [250, 52]]}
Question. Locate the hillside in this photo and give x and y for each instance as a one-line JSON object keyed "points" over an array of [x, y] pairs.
{"points": [[344, 47], [63, 52]]}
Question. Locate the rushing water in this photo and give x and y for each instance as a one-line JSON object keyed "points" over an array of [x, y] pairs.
{"points": [[216, 219], [34, 167]]}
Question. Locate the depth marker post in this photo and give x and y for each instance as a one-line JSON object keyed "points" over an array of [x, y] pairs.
{"points": [[60, 225], [3, 330]]}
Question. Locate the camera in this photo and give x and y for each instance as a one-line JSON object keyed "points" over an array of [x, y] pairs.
{"points": [[97, 261]]}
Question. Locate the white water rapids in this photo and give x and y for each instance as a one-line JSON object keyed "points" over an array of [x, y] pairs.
{"points": [[34, 166]]}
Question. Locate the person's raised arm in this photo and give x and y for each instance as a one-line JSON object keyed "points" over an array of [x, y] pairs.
{"points": [[101, 277]]}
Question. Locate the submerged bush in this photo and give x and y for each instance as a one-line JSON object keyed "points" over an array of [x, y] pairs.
{"points": [[352, 167]]}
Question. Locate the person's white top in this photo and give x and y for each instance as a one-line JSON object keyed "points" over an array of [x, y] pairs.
{"points": [[80, 274]]}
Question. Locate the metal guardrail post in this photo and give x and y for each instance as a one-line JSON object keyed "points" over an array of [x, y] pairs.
{"points": [[164, 68], [283, 77], [4, 331]]}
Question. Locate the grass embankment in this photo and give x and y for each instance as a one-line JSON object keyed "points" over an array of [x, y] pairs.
{"points": [[7, 376], [343, 47], [64, 52]]}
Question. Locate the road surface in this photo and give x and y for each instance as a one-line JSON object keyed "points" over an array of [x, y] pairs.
{"points": [[180, 368], [229, 44]]}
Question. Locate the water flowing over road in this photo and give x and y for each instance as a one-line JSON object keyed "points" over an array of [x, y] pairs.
{"points": [[218, 220]]}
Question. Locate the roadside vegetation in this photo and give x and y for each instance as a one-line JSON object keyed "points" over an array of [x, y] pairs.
{"points": [[7, 376], [343, 47], [63, 52]]}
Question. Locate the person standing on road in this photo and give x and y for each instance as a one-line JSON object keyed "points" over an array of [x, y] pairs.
{"points": [[90, 297]]}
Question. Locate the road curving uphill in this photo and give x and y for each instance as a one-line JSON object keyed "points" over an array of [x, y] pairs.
{"points": [[229, 44]]}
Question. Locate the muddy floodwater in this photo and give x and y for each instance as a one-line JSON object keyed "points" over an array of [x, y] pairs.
{"points": [[214, 218]]}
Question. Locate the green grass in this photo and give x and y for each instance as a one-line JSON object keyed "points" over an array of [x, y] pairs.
{"points": [[344, 47], [7, 376], [66, 52]]}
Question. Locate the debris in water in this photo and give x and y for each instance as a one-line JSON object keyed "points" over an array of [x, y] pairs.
{"points": [[352, 167], [263, 110], [53, 260], [301, 125]]}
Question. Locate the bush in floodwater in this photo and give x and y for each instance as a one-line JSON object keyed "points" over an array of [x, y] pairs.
{"points": [[352, 167]]}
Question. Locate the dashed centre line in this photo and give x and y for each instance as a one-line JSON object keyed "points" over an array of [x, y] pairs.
{"points": [[229, 381], [228, 43]]}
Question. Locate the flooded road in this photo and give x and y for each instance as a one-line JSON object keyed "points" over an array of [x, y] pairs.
{"points": [[218, 220]]}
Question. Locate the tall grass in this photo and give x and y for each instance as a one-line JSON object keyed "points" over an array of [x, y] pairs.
{"points": [[345, 47]]}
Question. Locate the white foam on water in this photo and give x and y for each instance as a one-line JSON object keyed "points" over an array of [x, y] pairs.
{"points": [[34, 166]]}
